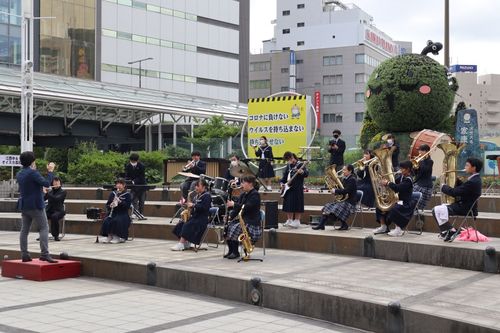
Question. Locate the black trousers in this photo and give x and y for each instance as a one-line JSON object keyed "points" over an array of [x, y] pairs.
{"points": [[54, 218], [138, 199]]}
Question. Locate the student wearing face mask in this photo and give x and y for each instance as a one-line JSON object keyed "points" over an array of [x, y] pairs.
{"points": [[336, 150], [135, 172], [234, 162], [391, 142], [265, 153]]}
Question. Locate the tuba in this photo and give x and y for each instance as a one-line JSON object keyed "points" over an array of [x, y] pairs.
{"points": [[449, 176], [244, 237], [186, 213], [332, 181], [381, 168]]}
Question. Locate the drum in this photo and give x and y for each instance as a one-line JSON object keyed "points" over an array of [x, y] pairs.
{"points": [[208, 179], [431, 138], [220, 185]]}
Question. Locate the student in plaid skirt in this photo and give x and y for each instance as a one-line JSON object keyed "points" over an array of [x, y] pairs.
{"points": [[341, 210], [250, 198]]}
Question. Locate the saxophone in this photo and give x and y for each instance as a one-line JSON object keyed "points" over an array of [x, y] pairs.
{"points": [[449, 176], [244, 238], [381, 168], [332, 180], [186, 213]]}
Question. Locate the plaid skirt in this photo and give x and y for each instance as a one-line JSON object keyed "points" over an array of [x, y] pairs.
{"points": [[341, 210], [234, 231], [426, 195]]}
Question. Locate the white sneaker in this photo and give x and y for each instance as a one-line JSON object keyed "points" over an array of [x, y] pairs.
{"points": [[287, 223], [295, 224], [177, 247], [187, 245], [397, 232], [121, 240], [380, 230], [115, 240], [105, 240]]}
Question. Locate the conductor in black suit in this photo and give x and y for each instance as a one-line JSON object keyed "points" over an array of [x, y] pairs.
{"points": [[135, 172], [195, 166], [336, 150], [465, 194]]}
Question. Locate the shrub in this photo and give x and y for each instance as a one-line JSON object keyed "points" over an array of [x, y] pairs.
{"points": [[96, 168]]}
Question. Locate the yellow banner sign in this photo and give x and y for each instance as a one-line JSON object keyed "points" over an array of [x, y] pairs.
{"points": [[283, 120]]}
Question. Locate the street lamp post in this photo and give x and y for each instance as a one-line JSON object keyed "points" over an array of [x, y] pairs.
{"points": [[140, 68]]}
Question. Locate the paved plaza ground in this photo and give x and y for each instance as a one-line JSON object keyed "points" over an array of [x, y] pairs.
{"points": [[95, 305]]}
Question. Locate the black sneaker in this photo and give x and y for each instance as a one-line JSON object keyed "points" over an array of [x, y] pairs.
{"points": [[452, 235], [26, 258], [48, 259]]}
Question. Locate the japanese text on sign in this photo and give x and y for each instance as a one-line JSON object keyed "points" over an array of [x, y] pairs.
{"points": [[10, 160]]}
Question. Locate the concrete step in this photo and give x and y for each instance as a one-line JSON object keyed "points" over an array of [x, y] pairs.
{"points": [[424, 249], [367, 293]]}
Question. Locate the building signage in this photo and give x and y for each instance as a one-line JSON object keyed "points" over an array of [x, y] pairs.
{"points": [[317, 106], [467, 133], [10, 160], [463, 68], [381, 42]]}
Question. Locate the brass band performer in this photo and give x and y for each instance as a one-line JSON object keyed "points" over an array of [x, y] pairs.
{"points": [[293, 199], [250, 198], [196, 167], [423, 175], [365, 183], [115, 225], [265, 152], [192, 230]]}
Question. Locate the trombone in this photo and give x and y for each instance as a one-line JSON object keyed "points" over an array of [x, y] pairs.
{"points": [[416, 160], [362, 163]]}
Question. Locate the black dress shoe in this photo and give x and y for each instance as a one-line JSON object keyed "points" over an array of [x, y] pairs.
{"points": [[319, 227], [26, 258], [57, 239], [227, 254], [343, 227], [233, 256], [450, 237], [48, 259]]}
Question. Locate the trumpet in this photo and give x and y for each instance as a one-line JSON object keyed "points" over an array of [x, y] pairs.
{"points": [[362, 163], [189, 165], [456, 170]]}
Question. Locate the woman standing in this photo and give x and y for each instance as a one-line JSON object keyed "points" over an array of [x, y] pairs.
{"points": [[293, 199], [265, 153]]}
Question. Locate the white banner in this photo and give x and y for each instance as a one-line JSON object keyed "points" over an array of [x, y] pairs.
{"points": [[10, 160]]}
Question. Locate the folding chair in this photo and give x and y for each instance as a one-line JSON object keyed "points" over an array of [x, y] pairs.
{"points": [[62, 223], [358, 208], [131, 211], [212, 225], [415, 200]]}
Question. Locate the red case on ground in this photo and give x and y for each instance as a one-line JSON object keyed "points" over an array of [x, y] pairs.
{"points": [[37, 270]]}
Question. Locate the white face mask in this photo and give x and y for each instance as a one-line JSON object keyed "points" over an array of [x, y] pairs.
{"points": [[133, 163], [234, 163], [390, 141]]}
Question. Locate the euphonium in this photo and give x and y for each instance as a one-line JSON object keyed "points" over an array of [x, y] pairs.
{"points": [[449, 176], [332, 180], [381, 168], [186, 213], [244, 237]]}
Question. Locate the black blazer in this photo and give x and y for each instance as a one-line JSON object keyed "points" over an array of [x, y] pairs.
{"points": [[350, 188], [199, 168], [298, 181], [267, 151], [135, 174], [465, 195], [337, 155], [404, 188], [55, 200], [251, 213], [423, 175]]}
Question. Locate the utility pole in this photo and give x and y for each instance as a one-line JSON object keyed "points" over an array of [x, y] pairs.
{"points": [[27, 77], [140, 68], [447, 33]]}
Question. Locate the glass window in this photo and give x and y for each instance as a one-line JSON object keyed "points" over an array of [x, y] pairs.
{"points": [[178, 77], [332, 118], [360, 78], [359, 58], [167, 11], [153, 41], [332, 99], [260, 66], [153, 8], [301, 6], [260, 84], [191, 48], [300, 61], [284, 89], [284, 70], [124, 35], [285, 48], [139, 4], [285, 12], [124, 70], [286, 31], [300, 80], [108, 68], [190, 79], [166, 76], [300, 43], [178, 46], [332, 79], [332, 60], [109, 33], [179, 14], [300, 24], [166, 43], [151, 73], [125, 2], [359, 116], [359, 98], [139, 38]]}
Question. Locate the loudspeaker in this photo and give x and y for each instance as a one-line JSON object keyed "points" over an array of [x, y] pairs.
{"points": [[271, 210]]}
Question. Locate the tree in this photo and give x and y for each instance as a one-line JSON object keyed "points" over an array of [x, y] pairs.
{"points": [[211, 134]]}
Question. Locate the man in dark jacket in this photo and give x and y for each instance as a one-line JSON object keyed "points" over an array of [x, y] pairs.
{"points": [[55, 206], [32, 205], [135, 172], [336, 150], [465, 194]]}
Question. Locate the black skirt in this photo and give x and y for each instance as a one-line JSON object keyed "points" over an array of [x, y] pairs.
{"points": [[265, 169], [117, 225], [293, 202], [191, 231]]}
